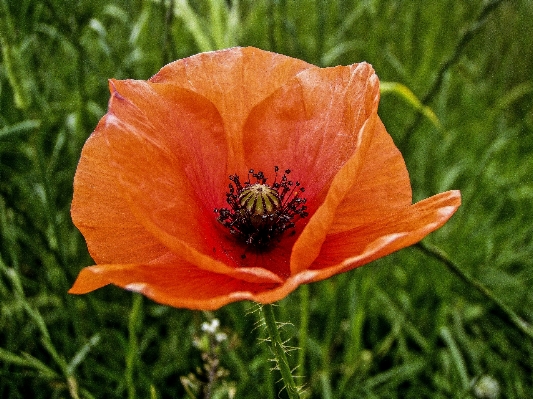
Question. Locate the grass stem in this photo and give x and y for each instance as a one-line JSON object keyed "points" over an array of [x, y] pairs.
{"points": [[133, 347], [504, 310]]}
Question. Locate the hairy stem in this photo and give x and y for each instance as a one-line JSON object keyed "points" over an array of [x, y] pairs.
{"points": [[279, 351]]}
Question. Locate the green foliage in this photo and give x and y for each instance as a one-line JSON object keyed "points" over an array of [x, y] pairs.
{"points": [[403, 327]]}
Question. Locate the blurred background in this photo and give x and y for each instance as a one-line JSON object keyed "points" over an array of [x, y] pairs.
{"points": [[457, 99]]}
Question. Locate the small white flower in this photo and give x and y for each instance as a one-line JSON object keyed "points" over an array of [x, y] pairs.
{"points": [[212, 327], [221, 337]]}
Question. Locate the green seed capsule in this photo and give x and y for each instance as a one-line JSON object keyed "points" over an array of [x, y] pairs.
{"points": [[259, 199]]}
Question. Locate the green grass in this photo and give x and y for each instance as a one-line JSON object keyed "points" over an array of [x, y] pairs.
{"points": [[402, 327]]}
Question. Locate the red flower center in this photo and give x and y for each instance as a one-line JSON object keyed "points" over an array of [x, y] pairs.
{"points": [[260, 213]]}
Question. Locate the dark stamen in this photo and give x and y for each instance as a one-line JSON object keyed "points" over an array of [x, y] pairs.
{"points": [[258, 213]]}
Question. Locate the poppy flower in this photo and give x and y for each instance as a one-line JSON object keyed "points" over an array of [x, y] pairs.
{"points": [[239, 175]]}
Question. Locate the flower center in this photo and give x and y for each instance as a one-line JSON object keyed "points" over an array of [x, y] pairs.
{"points": [[260, 213]]}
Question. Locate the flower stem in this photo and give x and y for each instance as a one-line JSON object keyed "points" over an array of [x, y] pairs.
{"points": [[279, 351]]}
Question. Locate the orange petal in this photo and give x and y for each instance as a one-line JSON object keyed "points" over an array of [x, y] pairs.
{"points": [[182, 285], [101, 213], [232, 79], [319, 125], [312, 124], [381, 187], [184, 127], [166, 183], [201, 260], [171, 132], [164, 203], [335, 152], [349, 249]]}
